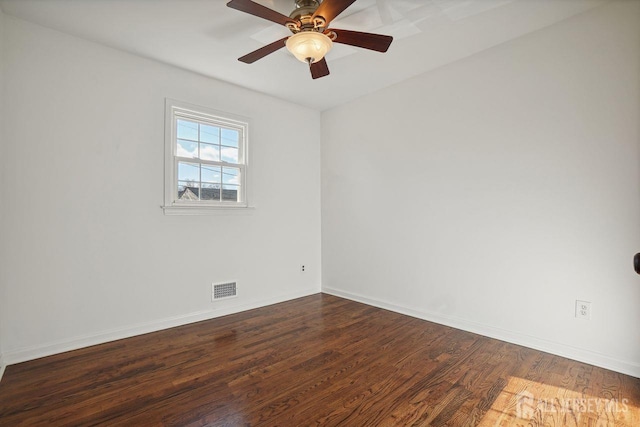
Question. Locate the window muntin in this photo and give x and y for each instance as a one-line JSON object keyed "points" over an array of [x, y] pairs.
{"points": [[206, 158]]}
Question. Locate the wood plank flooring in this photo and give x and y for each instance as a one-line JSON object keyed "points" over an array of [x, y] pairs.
{"points": [[318, 360]]}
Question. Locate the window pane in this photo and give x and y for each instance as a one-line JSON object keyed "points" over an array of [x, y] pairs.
{"points": [[189, 172], [210, 192], [211, 174], [187, 149], [230, 137], [230, 193], [187, 130], [229, 155], [210, 152], [230, 176], [209, 134], [186, 191], [188, 184]]}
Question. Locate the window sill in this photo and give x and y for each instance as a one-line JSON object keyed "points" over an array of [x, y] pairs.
{"points": [[207, 210]]}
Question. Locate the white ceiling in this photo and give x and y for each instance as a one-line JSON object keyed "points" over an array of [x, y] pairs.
{"points": [[207, 37]]}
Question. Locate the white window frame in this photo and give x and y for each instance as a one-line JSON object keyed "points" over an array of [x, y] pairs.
{"points": [[175, 110]]}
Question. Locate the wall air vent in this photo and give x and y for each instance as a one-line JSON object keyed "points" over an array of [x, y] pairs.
{"points": [[223, 290]]}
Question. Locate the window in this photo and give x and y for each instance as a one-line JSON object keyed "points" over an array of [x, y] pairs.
{"points": [[206, 159]]}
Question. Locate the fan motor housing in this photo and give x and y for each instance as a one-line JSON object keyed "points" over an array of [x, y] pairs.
{"points": [[304, 13], [307, 3]]}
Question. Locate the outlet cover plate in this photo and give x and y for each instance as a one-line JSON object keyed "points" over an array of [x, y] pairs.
{"points": [[583, 310]]}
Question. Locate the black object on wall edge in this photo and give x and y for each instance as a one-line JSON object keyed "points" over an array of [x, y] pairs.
{"points": [[636, 263]]}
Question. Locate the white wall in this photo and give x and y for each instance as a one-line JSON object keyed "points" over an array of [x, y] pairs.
{"points": [[2, 186], [492, 193], [87, 253]]}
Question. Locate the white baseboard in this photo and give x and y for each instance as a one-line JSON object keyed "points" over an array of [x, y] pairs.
{"points": [[24, 354], [586, 356], [559, 349]]}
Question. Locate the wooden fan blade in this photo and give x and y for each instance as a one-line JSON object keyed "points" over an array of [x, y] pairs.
{"points": [[377, 42], [252, 57], [260, 11], [319, 69], [329, 9]]}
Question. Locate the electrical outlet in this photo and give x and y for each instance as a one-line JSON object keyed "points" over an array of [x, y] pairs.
{"points": [[302, 268], [583, 310]]}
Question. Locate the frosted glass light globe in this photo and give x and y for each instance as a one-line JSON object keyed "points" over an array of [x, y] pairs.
{"points": [[309, 46]]}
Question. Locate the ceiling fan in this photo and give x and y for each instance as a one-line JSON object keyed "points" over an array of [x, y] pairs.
{"points": [[312, 38]]}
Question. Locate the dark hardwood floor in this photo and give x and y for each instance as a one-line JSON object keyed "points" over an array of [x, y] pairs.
{"points": [[319, 360]]}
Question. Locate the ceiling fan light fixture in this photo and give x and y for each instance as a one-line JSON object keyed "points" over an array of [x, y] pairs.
{"points": [[313, 36], [309, 46]]}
